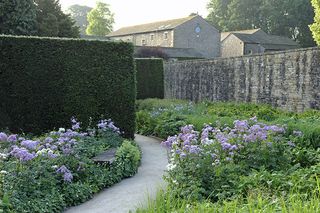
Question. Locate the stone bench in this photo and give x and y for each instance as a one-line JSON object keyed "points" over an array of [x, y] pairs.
{"points": [[108, 156]]}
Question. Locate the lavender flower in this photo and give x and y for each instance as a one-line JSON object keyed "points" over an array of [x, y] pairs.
{"points": [[12, 138], [67, 175], [3, 137], [22, 154], [290, 143], [75, 124], [29, 144], [241, 126], [48, 140]]}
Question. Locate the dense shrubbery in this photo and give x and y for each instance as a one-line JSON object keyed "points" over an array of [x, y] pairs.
{"points": [[150, 82], [222, 155], [56, 170], [64, 78]]}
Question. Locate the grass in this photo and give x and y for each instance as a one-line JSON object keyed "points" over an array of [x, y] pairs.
{"points": [[254, 203]]}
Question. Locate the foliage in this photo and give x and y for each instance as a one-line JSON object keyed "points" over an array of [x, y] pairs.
{"points": [[221, 163], [315, 27], [130, 156], [100, 20], [209, 163], [56, 170], [52, 22], [17, 17], [77, 77], [257, 201], [149, 78], [274, 17], [151, 52], [79, 13]]}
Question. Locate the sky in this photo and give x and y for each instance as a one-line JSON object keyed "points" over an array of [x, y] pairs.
{"points": [[135, 12]]}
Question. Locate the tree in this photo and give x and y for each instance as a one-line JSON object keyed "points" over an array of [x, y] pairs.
{"points": [[272, 16], [52, 22], [79, 13], [17, 17], [100, 20], [315, 27]]}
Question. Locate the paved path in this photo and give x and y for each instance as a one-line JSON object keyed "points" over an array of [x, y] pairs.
{"points": [[132, 192]]}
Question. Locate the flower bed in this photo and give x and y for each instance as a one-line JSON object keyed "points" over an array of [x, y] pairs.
{"points": [[228, 162], [56, 170]]}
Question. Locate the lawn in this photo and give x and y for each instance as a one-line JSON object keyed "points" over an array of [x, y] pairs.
{"points": [[234, 157]]}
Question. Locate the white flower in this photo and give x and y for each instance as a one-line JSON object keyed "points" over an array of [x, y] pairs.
{"points": [[3, 172], [54, 167], [62, 130], [3, 156], [171, 166], [207, 141]]}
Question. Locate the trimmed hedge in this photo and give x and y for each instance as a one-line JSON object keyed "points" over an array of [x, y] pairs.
{"points": [[150, 79], [45, 81]]}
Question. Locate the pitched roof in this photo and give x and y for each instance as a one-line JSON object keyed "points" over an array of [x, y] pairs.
{"points": [[258, 36], [226, 34], [151, 27]]}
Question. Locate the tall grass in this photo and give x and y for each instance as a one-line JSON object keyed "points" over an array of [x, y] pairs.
{"points": [[255, 202]]}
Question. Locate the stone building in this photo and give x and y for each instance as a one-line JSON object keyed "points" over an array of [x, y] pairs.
{"points": [[254, 41], [191, 32]]}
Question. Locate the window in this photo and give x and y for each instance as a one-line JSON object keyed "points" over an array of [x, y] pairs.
{"points": [[152, 37], [166, 35], [143, 42]]}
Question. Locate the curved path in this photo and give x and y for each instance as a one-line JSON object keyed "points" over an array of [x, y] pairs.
{"points": [[132, 192]]}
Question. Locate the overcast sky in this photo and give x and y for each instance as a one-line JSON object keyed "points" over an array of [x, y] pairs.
{"points": [[132, 12]]}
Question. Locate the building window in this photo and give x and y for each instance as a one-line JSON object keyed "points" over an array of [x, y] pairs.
{"points": [[166, 35], [152, 37], [143, 42], [249, 52]]}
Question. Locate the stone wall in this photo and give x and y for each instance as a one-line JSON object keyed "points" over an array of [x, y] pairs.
{"points": [[288, 79]]}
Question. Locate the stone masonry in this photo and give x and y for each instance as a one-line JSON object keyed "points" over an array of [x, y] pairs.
{"points": [[287, 79]]}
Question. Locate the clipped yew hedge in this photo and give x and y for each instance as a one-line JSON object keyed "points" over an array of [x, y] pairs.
{"points": [[150, 79], [45, 81]]}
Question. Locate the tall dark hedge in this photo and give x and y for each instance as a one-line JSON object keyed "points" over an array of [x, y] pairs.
{"points": [[150, 79], [43, 82]]}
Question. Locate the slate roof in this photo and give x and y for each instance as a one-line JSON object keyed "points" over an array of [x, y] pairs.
{"points": [[226, 34], [257, 36], [151, 27]]}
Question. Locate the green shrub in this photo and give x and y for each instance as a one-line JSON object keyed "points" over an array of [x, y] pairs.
{"points": [[150, 80], [46, 81], [129, 157]]}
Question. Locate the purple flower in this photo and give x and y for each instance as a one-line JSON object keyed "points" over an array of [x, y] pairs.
{"points": [[3, 137], [52, 155], [274, 129], [168, 143], [290, 143], [12, 138], [75, 124], [67, 175], [194, 149], [29, 144], [22, 154], [63, 169], [241, 126], [48, 140], [108, 124]]}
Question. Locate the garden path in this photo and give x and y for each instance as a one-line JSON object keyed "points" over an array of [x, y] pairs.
{"points": [[132, 192]]}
